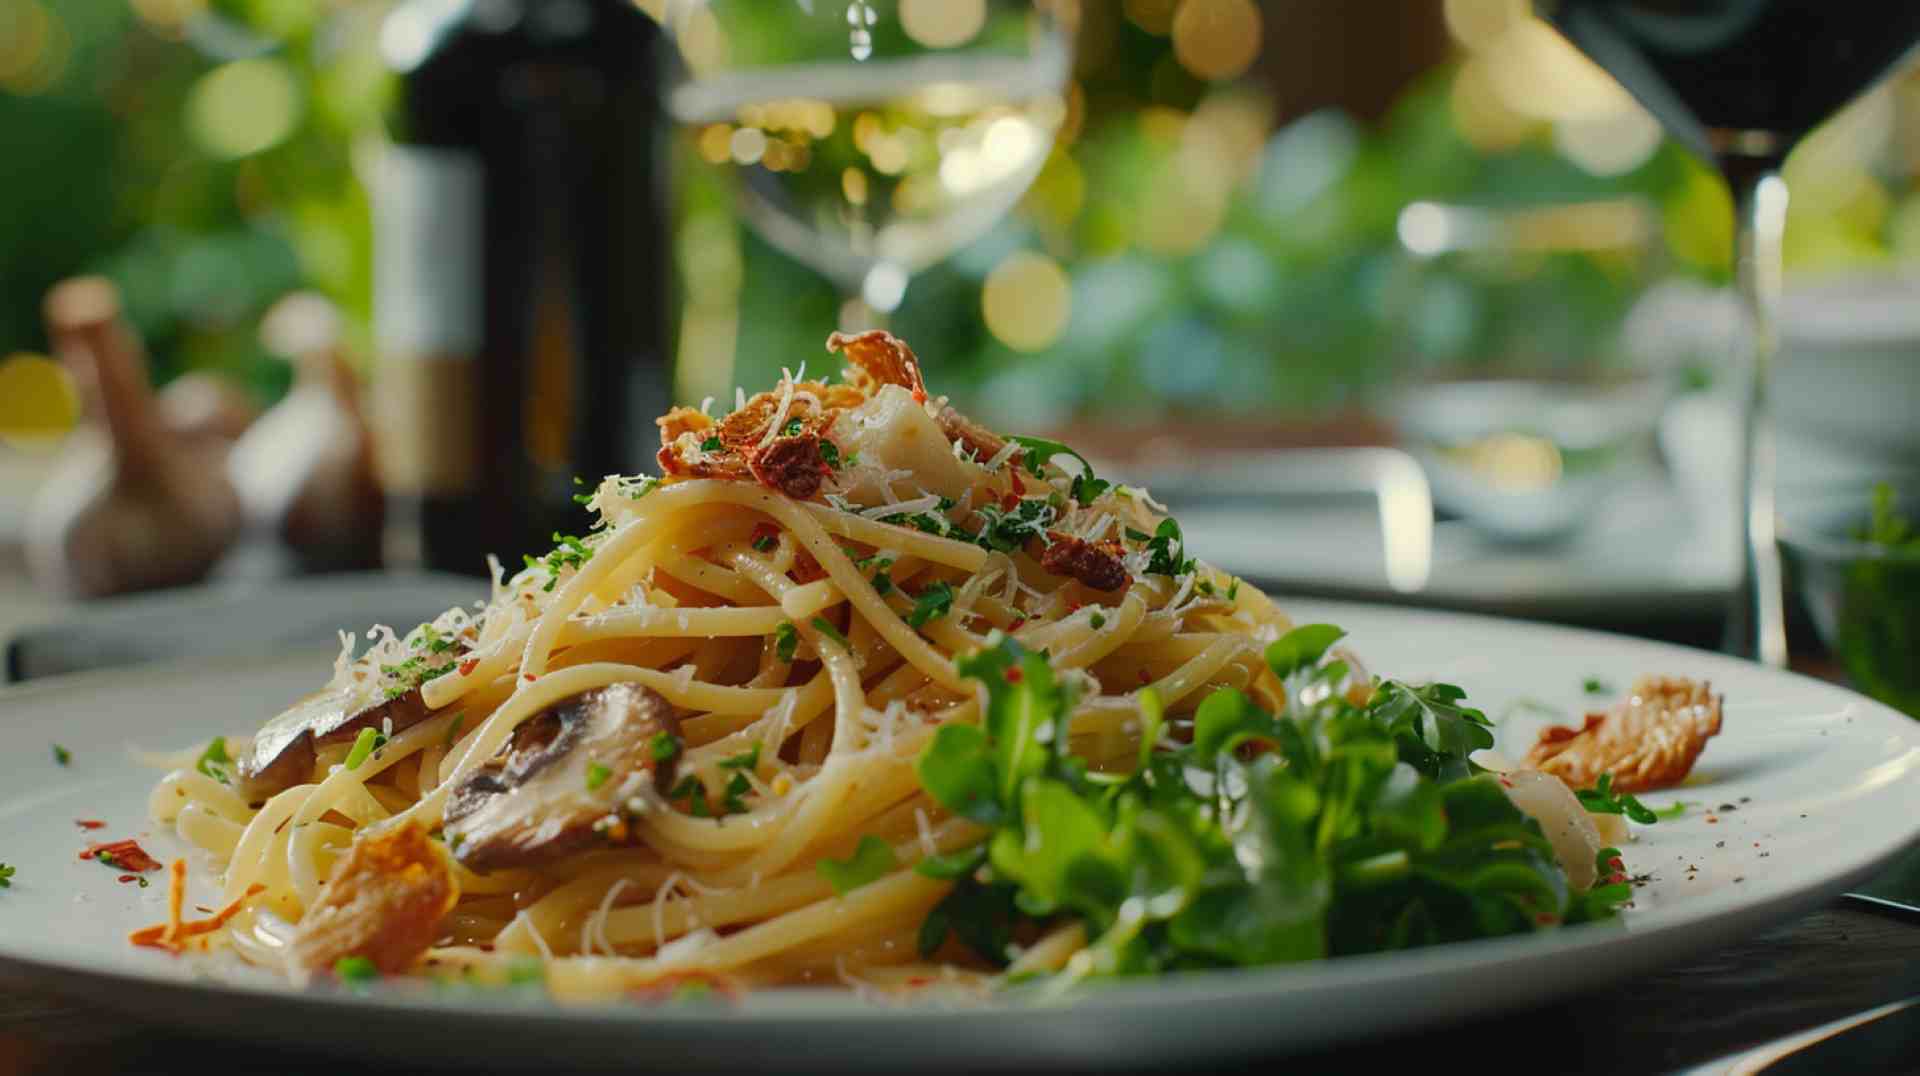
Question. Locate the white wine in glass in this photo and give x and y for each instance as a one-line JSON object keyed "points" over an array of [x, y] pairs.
{"points": [[871, 167]]}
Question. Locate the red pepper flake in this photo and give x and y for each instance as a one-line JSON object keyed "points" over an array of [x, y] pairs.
{"points": [[1013, 472], [128, 878], [467, 666], [1145, 677], [89, 823], [530, 678], [1504, 783], [1018, 623], [1546, 920], [1014, 675], [1712, 821], [918, 981], [1009, 502], [127, 855], [763, 533]]}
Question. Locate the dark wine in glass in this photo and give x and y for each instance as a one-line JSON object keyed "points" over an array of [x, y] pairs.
{"points": [[1741, 82]]}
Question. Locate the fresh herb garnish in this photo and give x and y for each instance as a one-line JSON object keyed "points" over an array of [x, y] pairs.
{"points": [[6, 876], [215, 762], [712, 444], [745, 760], [734, 802], [825, 627], [766, 542], [1085, 488], [869, 863], [830, 454], [412, 673], [1098, 620], [569, 552], [597, 774], [355, 970], [364, 745], [934, 602], [664, 746], [1327, 829], [1006, 531], [694, 791], [62, 756], [1676, 809], [1593, 685], [793, 428], [1168, 551], [786, 641], [1602, 799]]}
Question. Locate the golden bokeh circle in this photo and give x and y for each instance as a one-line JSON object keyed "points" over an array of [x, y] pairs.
{"points": [[1216, 39], [1026, 301], [38, 401]]}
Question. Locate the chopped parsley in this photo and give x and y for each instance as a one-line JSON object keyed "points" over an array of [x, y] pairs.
{"points": [[793, 428], [712, 444], [694, 791], [1602, 799], [597, 774], [1098, 620], [6, 876], [1676, 809], [453, 730], [432, 640], [215, 762], [1085, 488], [830, 454], [62, 756], [412, 673], [786, 641], [766, 542], [569, 552], [1168, 550], [932, 603], [734, 801], [825, 627], [1006, 531], [745, 760], [664, 746], [869, 863], [582, 498], [882, 582], [355, 970], [1593, 685], [364, 745]]}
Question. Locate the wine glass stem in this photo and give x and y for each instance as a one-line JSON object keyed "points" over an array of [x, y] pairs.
{"points": [[1757, 622]]}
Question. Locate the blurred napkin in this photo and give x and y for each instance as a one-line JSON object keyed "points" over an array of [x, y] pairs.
{"points": [[238, 619]]}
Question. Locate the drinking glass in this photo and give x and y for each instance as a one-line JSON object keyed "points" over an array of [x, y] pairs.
{"points": [[1741, 82], [872, 138]]}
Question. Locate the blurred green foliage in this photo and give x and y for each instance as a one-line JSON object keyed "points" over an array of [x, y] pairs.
{"points": [[203, 154]]}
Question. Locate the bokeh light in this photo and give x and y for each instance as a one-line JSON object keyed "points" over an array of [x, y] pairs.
{"points": [[244, 107], [1153, 16], [1026, 301], [38, 402], [1216, 39], [1477, 24], [34, 47], [942, 24]]}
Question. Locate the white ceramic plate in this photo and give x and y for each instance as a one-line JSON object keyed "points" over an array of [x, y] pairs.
{"points": [[1822, 784]]}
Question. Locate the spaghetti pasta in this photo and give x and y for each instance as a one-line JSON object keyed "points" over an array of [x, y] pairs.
{"points": [[639, 751]]}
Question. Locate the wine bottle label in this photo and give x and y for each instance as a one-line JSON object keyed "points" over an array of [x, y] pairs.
{"points": [[428, 321]]}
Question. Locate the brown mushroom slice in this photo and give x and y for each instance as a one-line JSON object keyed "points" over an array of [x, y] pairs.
{"points": [[566, 769], [283, 751]]}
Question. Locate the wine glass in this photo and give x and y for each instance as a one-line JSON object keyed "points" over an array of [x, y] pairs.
{"points": [[872, 138], [1740, 82]]}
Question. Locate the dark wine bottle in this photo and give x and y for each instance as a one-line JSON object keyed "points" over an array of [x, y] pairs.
{"points": [[520, 269]]}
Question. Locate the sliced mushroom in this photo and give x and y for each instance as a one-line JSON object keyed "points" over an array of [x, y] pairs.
{"points": [[283, 752], [566, 769]]}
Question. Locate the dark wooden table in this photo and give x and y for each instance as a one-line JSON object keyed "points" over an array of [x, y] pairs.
{"points": [[1839, 960]]}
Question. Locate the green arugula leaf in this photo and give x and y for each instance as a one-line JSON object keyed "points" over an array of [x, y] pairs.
{"points": [[786, 641], [932, 603], [869, 863], [953, 865], [1602, 799], [1300, 648]]}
